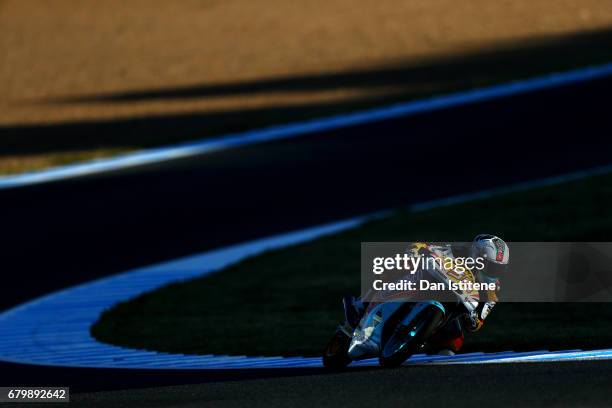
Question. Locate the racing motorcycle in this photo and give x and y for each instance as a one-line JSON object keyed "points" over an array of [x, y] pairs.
{"points": [[393, 331]]}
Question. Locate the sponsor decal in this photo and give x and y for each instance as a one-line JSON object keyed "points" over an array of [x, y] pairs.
{"points": [[500, 250], [377, 317]]}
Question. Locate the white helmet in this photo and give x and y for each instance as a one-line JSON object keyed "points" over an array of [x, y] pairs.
{"points": [[495, 252]]}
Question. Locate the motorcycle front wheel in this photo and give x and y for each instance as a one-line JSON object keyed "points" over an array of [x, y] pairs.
{"points": [[336, 355]]}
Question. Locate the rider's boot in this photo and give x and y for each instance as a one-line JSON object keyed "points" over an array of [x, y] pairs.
{"points": [[448, 340]]}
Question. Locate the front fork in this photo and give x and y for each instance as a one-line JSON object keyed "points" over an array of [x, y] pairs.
{"points": [[354, 310]]}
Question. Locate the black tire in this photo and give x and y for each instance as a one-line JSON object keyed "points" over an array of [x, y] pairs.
{"points": [[336, 356], [426, 321]]}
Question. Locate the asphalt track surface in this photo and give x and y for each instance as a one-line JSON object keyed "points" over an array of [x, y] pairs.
{"points": [[516, 385], [59, 234]]}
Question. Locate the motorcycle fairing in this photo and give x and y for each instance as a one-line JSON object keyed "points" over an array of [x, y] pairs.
{"points": [[367, 337]]}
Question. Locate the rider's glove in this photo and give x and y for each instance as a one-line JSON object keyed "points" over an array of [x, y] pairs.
{"points": [[472, 322]]}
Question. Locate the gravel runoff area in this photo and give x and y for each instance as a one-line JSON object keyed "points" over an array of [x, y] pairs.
{"points": [[155, 72]]}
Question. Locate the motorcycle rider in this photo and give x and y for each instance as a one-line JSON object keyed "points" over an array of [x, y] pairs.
{"points": [[449, 339]]}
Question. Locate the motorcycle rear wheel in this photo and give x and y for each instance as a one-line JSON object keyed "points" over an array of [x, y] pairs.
{"points": [[406, 341]]}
